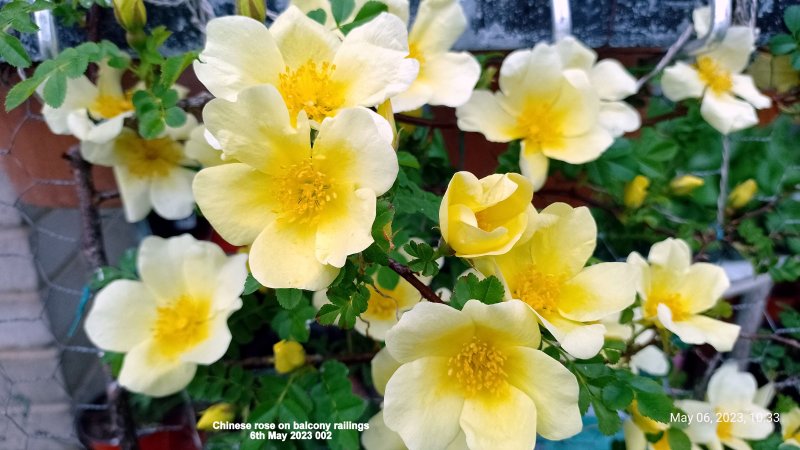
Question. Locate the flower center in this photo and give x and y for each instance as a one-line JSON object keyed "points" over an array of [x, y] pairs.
{"points": [[381, 305], [675, 302], [478, 369], [311, 89], [108, 106], [148, 158], [724, 427], [542, 125], [716, 77], [415, 53], [540, 291], [181, 325], [304, 192]]}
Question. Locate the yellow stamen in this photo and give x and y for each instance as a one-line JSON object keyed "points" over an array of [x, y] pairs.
{"points": [[716, 77], [181, 325], [312, 89], [675, 302], [479, 368], [539, 290], [148, 158], [304, 192], [382, 305], [415, 53], [542, 125], [108, 106], [724, 427]]}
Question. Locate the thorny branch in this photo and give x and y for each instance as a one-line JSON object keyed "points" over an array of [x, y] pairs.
{"points": [[409, 276]]}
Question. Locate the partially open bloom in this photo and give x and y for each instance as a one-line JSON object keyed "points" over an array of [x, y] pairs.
{"points": [[552, 109], [303, 209], [609, 79], [478, 372], [151, 174], [729, 97], [790, 427], [742, 194], [175, 318], [685, 184], [218, 412], [445, 77], [636, 191], [92, 112], [676, 292], [547, 272], [313, 69], [289, 355], [485, 216], [731, 406]]}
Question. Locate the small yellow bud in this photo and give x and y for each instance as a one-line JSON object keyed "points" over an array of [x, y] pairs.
{"points": [[220, 412], [636, 191], [742, 194], [289, 355], [130, 14], [685, 184], [385, 110], [255, 9]]}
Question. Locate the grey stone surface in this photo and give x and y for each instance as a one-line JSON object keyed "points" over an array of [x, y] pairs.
{"points": [[494, 24], [17, 272], [8, 214], [22, 321]]}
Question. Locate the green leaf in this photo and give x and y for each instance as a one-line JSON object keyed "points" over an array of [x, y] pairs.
{"points": [[318, 15], [617, 395], [382, 226], [55, 90], [406, 159], [678, 440], [21, 92], [289, 298], [608, 421], [174, 66], [369, 11], [781, 44], [175, 117], [655, 406], [250, 285], [335, 402], [387, 278], [13, 52], [411, 199], [341, 9], [347, 302], [470, 287], [293, 324], [423, 258], [791, 17], [796, 60]]}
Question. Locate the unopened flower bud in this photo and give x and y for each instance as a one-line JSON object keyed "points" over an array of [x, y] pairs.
{"points": [[219, 412], [130, 14], [636, 191], [255, 9], [685, 184], [289, 355], [742, 194]]}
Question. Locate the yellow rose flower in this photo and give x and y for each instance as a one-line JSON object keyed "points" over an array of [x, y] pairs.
{"points": [[476, 372], [547, 272], [313, 68], [92, 112], [676, 292], [742, 194], [175, 318], [731, 406], [553, 110], [219, 412], [729, 98], [486, 216], [304, 209], [289, 355], [636, 191], [151, 173], [685, 185]]}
